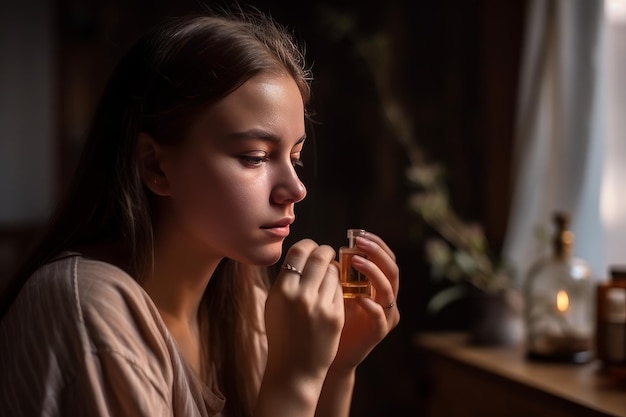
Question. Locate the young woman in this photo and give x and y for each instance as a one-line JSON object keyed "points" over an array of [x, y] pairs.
{"points": [[148, 295]]}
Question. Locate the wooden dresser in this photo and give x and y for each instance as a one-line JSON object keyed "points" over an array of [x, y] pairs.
{"points": [[477, 381]]}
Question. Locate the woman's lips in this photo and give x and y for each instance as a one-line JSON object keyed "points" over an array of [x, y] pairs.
{"points": [[280, 228], [280, 231]]}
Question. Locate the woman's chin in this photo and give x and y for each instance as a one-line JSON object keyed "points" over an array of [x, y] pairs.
{"points": [[266, 258]]}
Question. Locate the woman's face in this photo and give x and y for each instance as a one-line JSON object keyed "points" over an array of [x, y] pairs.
{"points": [[233, 183]]}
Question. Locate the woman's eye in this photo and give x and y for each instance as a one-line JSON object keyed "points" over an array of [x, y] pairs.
{"points": [[260, 159], [253, 160]]}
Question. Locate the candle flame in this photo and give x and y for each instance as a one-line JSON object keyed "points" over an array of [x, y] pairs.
{"points": [[562, 301]]}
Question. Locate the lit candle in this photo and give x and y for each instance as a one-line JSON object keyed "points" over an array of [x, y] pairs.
{"points": [[562, 301], [562, 305], [568, 341]]}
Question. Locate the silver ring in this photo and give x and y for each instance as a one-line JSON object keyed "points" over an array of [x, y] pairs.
{"points": [[390, 306], [292, 268]]}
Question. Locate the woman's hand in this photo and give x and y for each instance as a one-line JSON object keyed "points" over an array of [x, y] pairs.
{"points": [[368, 321], [304, 314]]}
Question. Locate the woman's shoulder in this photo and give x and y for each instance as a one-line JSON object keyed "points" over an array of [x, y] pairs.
{"points": [[82, 281], [106, 302], [114, 315], [93, 324], [97, 280], [109, 296]]}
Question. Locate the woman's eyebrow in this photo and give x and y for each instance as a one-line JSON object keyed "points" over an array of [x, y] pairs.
{"points": [[260, 134]]}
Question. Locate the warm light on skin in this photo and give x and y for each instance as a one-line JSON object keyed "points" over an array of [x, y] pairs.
{"points": [[235, 176], [562, 301]]}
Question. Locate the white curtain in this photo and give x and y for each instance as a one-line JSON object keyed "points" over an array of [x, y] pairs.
{"points": [[560, 131], [613, 196]]}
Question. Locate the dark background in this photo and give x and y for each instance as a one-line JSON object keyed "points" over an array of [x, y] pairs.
{"points": [[454, 68]]}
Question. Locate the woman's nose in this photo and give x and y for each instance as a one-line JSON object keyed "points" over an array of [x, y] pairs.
{"points": [[288, 188]]}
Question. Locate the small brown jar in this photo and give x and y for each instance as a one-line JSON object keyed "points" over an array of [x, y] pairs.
{"points": [[611, 322]]}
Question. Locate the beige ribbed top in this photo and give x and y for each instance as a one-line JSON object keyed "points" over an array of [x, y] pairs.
{"points": [[84, 339]]}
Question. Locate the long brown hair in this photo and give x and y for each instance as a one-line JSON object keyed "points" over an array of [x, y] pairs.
{"points": [[162, 83]]}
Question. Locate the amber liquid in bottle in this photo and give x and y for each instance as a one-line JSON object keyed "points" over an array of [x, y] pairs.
{"points": [[354, 283]]}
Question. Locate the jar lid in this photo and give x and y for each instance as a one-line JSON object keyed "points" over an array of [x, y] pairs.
{"points": [[618, 272]]}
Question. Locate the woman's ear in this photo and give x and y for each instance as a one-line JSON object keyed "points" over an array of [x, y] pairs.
{"points": [[149, 153]]}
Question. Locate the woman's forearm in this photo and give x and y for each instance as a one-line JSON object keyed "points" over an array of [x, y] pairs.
{"points": [[289, 397], [336, 396]]}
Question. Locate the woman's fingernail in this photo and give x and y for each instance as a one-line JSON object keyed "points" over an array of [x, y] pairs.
{"points": [[363, 242], [358, 260]]}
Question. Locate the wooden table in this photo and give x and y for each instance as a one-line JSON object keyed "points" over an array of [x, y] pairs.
{"points": [[498, 381]]}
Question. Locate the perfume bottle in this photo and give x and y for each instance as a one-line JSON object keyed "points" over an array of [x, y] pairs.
{"points": [[354, 283], [558, 295]]}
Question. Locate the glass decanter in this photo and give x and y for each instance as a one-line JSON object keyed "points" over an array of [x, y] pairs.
{"points": [[558, 302]]}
